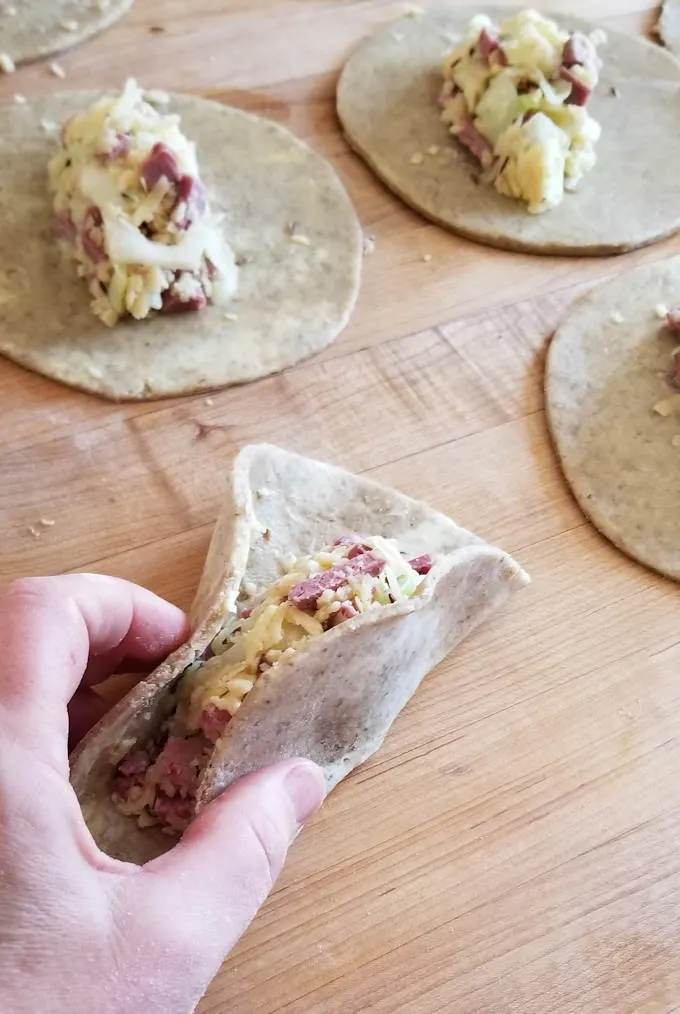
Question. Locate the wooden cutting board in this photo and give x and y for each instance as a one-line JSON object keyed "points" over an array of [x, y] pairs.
{"points": [[515, 845]]}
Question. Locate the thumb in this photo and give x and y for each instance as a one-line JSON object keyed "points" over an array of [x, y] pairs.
{"points": [[211, 884]]}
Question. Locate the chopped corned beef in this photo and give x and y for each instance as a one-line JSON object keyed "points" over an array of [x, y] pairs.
{"points": [[580, 92], [422, 564], [214, 721], [305, 594]]}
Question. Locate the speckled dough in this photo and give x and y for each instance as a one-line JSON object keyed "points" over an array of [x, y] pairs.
{"points": [[603, 380], [41, 28], [668, 25], [387, 103], [292, 300], [335, 700]]}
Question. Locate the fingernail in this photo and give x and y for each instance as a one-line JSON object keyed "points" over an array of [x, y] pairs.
{"points": [[306, 789]]}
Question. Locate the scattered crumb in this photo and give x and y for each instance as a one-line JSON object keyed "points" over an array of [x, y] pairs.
{"points": [[266, 534], [427, 258], [49, 126], [208, 401], [46, 522], [69, 25], [669, 406], [250, 589], [416, 158], [11, 11], [57, 70], [368, 245], [661, 311], [230, 316], [7, 65], [95, 372], [615, 92], [148, 387], [676, 440], [433, 149], [616, 317], [32, 530], [295, 236], [156, 29], [242, 259], [19, 99]]}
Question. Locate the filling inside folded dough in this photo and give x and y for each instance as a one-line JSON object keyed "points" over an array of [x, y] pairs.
{"points": [[132, 212], [156, 783], [515, 94]]}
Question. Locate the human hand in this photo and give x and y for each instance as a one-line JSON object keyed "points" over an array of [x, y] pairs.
{"points": [[80, 931]]}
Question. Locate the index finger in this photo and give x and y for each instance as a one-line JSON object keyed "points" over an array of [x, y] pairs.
{"points": [[50, 626]]}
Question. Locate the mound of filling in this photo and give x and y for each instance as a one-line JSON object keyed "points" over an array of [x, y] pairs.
{"points": [[157, 782], [514, 95], [131, 210]]}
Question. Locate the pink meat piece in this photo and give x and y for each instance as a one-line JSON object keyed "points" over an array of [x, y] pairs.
{"points": [[214, 721], [120, 148], [422, 564], [173, 302], [94, 248], [345, 612], [577, 49], [63, 226], [177, 765], [488, 43], [475, 143], [498, 58], [190, 192], [173, 812], [355, 542], [161, 162], [673, 321], [305, 594], [135, 763], [580, 92]]}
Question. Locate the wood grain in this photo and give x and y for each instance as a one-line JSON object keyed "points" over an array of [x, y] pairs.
{"points": [[513, 848]]}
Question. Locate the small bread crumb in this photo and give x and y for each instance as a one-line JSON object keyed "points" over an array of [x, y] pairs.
{"points": [[69, 25], [300, 239], [46, 522], [208, 401], [368, 245], [433, 149], [57, 70], [230, 316], [427, 258], [661, 311], [616, 317], [416, 158], [19, 99], [7, 65], [669, 406]]}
